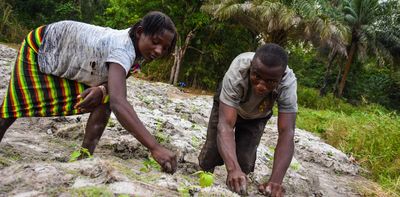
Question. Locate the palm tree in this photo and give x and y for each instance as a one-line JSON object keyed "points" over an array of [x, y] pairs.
{"points": [[280, 21], [360, 16]]}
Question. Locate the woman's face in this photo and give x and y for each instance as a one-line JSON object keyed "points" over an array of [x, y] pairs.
{"points": [[153, 46]]}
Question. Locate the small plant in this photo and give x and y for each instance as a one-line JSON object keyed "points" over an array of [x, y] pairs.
{"points": [[206, 179], [111, 123], [92, 191], [187, 191], [295, 166], [160, 136], [80, 153], [149, 164], [196, 141]]}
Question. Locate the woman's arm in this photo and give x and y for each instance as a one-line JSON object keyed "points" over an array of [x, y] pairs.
{"points": [[128, 118]]}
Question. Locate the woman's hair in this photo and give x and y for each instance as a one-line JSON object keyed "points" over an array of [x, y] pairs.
{"points": [[272, 55], [154, 23]]}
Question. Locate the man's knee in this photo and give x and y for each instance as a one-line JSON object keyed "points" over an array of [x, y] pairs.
{"points": [[209, 158]]}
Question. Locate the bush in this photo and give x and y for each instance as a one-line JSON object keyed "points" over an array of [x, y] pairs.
{"points": [[309, 98]]}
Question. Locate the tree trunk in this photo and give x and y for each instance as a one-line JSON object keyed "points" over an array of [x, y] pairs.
{"points": [[335, 87], [347, 68], [178, 66], [179, 56], [173, 69], [332, 56]]}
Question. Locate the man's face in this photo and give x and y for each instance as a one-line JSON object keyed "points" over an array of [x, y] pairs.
{"points": [[264, 79], [154, 46]]}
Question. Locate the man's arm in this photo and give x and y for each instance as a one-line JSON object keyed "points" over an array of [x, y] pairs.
{"points": [[236, 179], [283, 154], [130, 121]]}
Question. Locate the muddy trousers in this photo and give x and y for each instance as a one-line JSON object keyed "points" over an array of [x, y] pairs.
{"points": [[248, 134]]}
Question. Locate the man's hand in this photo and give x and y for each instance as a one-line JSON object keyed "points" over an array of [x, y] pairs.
{"points": [[237, 182], [271, 189], [92, 97], [165, 158]]}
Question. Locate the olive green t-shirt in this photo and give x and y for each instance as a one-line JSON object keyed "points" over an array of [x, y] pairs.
{"points": [[237, 91]]}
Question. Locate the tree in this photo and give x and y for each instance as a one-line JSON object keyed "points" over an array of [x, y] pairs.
{"points": [[360, 15], [280, 21]]}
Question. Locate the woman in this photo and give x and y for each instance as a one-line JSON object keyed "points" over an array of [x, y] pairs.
{"points": [[69, 68]]}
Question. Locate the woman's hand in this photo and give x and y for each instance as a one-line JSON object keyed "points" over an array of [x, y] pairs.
{"points": [[90, 99], [165, 158]]}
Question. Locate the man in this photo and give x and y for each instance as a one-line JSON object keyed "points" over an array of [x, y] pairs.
{"points": [[242, 106]]}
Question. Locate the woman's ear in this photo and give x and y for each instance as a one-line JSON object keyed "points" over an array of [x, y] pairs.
{"points": [[138, 32]]}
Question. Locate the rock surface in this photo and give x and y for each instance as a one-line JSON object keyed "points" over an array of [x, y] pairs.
{"points": [[34, 152]]}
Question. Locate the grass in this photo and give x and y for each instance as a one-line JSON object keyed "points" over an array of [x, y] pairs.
{"points": [[92, 191], [369, 132]]}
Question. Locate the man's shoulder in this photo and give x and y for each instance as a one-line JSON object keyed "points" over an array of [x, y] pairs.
{"points": [[245, 56], [289, 77], [241, 62]]}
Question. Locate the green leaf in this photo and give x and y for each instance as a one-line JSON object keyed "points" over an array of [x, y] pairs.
{"points": [[206, 179], [74, 156]]}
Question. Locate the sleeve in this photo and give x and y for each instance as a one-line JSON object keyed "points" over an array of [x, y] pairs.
{"points": [[287, 100], [231, 91], [121, 57]]}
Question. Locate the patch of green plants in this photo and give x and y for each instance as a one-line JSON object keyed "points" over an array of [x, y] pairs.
{"points": [[92, 191], [159, 134], [80, 153], [111, 123], [186, 191], [295, 166], [149, 164], [11, 154], [196, 141], [206, 179], [369, 132]]}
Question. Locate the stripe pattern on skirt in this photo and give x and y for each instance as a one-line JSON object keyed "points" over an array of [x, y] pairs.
{"points": [[33, 93]]}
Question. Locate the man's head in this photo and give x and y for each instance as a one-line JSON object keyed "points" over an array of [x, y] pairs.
{"points": [[154, 36], [267, 68]]}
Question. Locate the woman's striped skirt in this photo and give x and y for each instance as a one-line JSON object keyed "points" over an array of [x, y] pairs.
{"points": [[33, 93]]}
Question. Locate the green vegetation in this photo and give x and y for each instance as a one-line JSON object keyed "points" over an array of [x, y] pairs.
{"points": [[149, 164], [92, 191], [159, 134], [370, 133], [206, 179], [80, 153]]}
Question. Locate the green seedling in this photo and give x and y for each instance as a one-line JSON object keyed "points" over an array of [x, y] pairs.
{"points": [[82, 152], [206, 179], [196, 141], [149, 164], [187, 191], [295, 166]]}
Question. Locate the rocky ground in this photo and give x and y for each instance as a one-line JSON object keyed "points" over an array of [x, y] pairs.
{"points": [[35, 153]]}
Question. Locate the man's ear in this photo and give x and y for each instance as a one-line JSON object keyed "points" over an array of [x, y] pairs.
{"points": [[139, 31]]}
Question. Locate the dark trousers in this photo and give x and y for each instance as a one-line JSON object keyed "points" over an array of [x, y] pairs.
{"points": [[248, 134]]}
